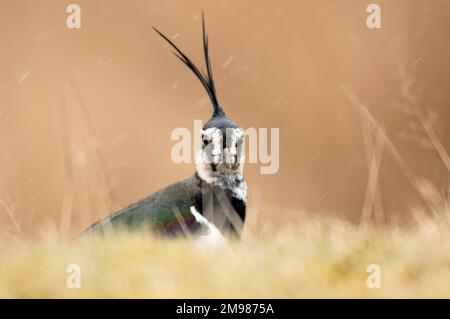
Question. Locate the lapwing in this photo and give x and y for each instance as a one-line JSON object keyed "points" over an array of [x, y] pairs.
{"points": [[210, 201]]}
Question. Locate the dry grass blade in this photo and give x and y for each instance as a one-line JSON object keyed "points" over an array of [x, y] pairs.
{"points": [[66, 211], [412, 178], [181, 222], [230, 212], [97, 144], [377, 204], [406, 82], [9, 210], [372, 184], [435, 140]]}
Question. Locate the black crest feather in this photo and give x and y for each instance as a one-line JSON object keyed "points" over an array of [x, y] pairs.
{"points": [[206, 79]]}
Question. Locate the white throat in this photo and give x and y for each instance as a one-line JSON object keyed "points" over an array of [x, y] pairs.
{"points": [[226, 179]]}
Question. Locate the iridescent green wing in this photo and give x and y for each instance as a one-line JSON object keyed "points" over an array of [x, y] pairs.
{"points": [[166, 211]]}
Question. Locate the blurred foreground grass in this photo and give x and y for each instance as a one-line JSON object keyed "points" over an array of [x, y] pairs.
{"points": [[316, 258]]}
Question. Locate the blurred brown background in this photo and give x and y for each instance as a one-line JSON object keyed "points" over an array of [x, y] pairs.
{"points": [[86, 114]]}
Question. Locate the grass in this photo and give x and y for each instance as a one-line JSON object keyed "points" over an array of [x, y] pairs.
{"points": [[316, 258]]}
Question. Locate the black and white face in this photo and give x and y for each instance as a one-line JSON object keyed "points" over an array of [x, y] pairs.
{"points": [[222, 149]]}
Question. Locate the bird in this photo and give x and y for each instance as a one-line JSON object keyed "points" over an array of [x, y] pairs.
{"points": [[210, 203]]}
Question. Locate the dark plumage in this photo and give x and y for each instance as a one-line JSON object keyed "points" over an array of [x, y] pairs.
{"points": [[217, 190], [168, 211], [159, 211]]}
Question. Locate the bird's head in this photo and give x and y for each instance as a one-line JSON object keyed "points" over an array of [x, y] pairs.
{"points": [[222, 146]]}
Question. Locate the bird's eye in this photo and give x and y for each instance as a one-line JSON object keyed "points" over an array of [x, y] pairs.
{"points": [[205, 142]]}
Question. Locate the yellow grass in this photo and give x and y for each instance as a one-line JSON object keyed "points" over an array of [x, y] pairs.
{"points": [[316, 258]]}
